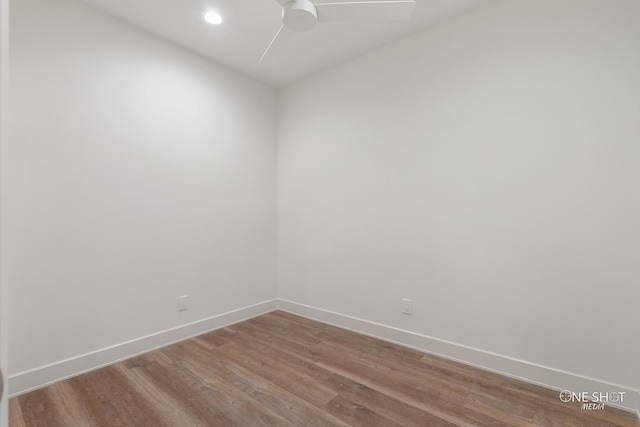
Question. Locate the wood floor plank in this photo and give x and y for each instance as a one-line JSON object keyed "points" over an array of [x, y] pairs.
{"points": [[517, 405], [358, 414], [292, 381], [288, 405], [110, 398], [15, 413], [448, 410], [300, 343], [219, 396], [175, 397], [280, 369], [66, 398], [38, 409], [373, 373], [395, 409], [304, 359]]}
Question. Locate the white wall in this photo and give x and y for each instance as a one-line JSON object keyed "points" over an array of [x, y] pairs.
{"points": [[4, 80], [137, 172], [486, 168]]}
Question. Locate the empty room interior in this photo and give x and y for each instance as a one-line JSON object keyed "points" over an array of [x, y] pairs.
{"points": [[313, 213]]}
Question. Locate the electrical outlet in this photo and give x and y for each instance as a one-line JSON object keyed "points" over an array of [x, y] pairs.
{"points": [[183, 303], [406, 306]]}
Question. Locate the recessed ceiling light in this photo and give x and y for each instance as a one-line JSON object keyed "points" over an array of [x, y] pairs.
{"points": [[213, 17]]}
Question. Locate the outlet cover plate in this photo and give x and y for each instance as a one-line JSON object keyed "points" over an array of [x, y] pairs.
{"points": [[183, 303], [406, 306]]}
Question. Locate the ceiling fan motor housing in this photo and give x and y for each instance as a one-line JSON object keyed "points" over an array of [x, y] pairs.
{"points": [[299, 15]]}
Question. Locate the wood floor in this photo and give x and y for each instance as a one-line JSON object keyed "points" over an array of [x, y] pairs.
{"points": [[284, 370]]}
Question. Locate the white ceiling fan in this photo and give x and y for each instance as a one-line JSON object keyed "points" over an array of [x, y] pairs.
{"points": [[303, 15]]}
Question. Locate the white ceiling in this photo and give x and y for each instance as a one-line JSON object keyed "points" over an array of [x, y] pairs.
{"points": [[249, 26]]}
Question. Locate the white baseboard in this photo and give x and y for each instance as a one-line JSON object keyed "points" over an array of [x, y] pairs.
{"points": [[32, 379], [529, 372]]}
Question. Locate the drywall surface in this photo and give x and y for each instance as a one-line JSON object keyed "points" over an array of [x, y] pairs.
{"points": [[4, 86], [137, 172], [487, 169]]}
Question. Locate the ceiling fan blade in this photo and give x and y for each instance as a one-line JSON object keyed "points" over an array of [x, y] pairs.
{"points": [[278, 46], [388, 10]]}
